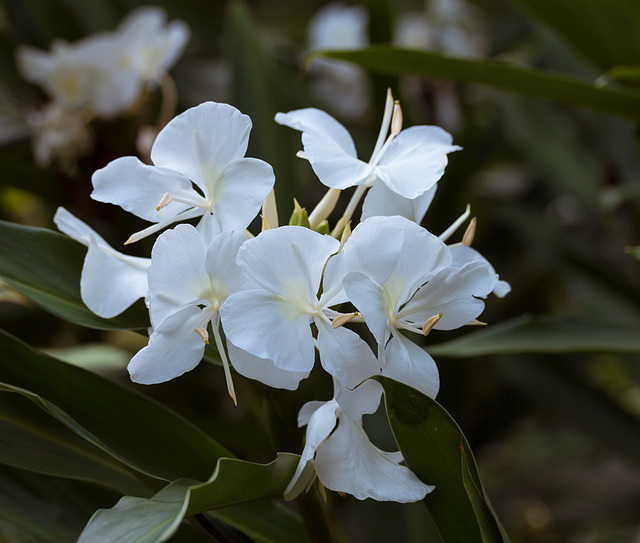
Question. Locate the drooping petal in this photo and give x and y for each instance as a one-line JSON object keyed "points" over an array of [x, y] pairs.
{"points": [[321, 424], [177, 276], [415, 160], [406, 362], [454, 292], [201, 141], [382, 201], [463, 254], [257, 322], [263, 370], [174, 348], [288, 260], [138, 188], [347, 357], [239, 192], [348, 462]]}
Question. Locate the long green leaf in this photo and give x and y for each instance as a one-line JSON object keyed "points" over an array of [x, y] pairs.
{"points": [[45, 266], [136, 520], [544, 334], [31, 440], [436, 450], [557, 88], [126, 425]]}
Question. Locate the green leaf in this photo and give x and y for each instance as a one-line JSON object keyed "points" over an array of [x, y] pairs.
{"points": [[155, 520], [557, 88], [126, 425], [31, 440], [45, 266], [543, 334], [435, 449], [625, 74], [605, 32]]}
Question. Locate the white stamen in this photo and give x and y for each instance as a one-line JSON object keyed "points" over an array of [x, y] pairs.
{"points": [[449, 231], [343, 319], [430, 323], [396, 120], [202, 332], [469, 233], [164, 201]]}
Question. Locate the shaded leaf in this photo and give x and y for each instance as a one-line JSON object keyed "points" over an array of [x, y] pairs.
{"points": [[543, 334], [45, 266], [557, 88], [155, 520], [435, 449]]}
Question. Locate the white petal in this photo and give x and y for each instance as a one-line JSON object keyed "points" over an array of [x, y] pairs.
{"points": [[73, 227], [415, 160], [202, 141], [138, 188], [239, 192], [319, 123], [221, 265], [321, 424], [382, 201], [349, 359], [288, 260], [177, 276], [367, 296], [255, 321], [463, 254], [348, 462], [454, 292], [410, 364], [174, 348], [263, 370]]}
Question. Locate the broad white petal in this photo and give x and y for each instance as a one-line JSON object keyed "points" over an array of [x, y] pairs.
{"points": [[321, 424], [174, 348], [255, 321], [415, 160], [221, 264], [200, 142], [177, 276], [348, 358], [455, 293], [382, 201], [348, 462], [288, 260], [138, 188], [263, 370], [410, 364], [239, 192], [321, 124]]}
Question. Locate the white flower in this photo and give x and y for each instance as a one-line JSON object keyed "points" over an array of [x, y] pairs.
{"points": [[110, 281], [189, 280], [344, 459], [409, 163], [273, 322], [205, 147], [422, 291], [148, 44]]}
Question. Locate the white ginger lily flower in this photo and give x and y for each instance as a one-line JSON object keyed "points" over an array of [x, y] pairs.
{"points": [[338, 450], [189, 280], [205, 147], [149, 45], [82, 75], [423, 291], [409, 163], [110, 281], [273, 321]]}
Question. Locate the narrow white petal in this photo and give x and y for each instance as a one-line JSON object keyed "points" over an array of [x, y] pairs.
{"points": [[348, 462], [369, 299], [410, 364], [174, 348]]}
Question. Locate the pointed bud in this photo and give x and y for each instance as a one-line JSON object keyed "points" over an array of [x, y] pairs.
{"points": [[164, 201], [324, 207], [270, 211], [469, 233], [430, 323], [346, 234], [338, 229], [323, 228], [299, 216], [396, 120]]}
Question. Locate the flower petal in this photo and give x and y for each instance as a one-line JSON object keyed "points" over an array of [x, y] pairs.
{"points": [[174, 348], [382, 201], [406, 362], [348, 462], [263, 370], [367, 296], [415, 160]]}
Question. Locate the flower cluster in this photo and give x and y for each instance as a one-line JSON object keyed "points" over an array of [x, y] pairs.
{"points": [[274, 300], [99, 76]]}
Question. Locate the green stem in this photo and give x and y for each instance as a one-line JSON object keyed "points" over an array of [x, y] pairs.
{"points": [[314, 514]]}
